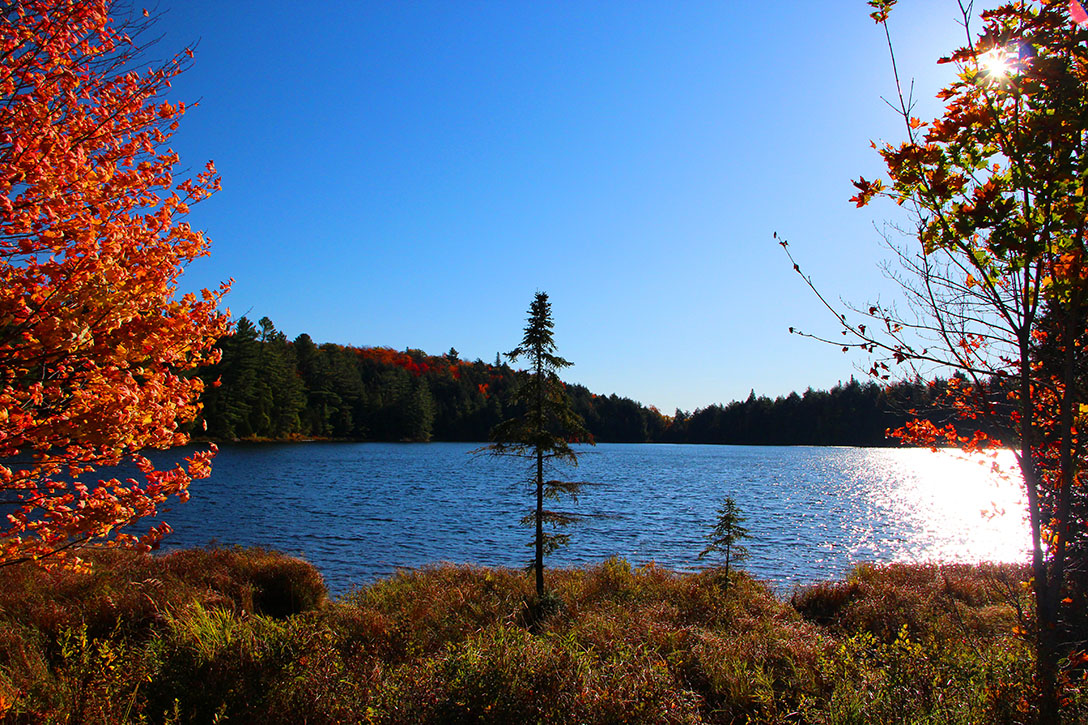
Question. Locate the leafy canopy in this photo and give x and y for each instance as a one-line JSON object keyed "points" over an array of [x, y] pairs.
{"points": [[94, 343]]}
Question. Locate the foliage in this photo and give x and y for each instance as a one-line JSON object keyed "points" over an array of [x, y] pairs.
{"points": [[728, 532], [932, 602], [446, 644], [255, 385], [924, 640], [997, 286], [94, 343], [268, 387], [543, 433]]}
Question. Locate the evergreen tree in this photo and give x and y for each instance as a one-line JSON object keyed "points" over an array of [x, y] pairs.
{"points": [[268, 387], [282, 396], [290, 390], [727, 534], [419, 412], [228, 405], [544, 431]]}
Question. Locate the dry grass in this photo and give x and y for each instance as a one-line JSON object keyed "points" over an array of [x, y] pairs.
{"points": [[932, 601], [234, 635]]}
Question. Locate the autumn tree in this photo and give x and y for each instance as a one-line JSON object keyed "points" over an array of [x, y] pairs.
{"points": [[543, 433], [995, 189], [95, 344]]}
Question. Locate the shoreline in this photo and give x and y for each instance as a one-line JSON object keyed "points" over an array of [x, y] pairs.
{"points": [[313, 439]]}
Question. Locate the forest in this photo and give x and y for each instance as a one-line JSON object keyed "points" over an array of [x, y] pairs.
{"points": [[268, 387]]}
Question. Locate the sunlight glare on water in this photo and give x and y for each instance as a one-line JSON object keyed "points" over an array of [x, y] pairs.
{"points": [[956, 508]]}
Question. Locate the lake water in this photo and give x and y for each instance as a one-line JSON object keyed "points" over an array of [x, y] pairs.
{"points": [[361, 510]]}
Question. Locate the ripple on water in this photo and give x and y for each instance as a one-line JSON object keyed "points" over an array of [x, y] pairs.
{"points": [[362, 510]]}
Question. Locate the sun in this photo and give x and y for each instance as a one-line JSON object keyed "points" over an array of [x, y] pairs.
{"points": [[996, 63]]}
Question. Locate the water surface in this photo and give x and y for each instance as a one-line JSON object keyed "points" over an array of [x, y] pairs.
{"points": [[361, 510]]}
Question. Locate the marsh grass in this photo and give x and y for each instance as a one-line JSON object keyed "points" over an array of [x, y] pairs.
{"points": [[248, 635]]}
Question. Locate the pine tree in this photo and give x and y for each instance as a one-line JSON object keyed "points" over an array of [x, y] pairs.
{"points": [[543, 434], [727, 534], [284, 387], [229, 404]]}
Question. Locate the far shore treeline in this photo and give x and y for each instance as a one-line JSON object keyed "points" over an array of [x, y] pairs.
{"points": [[272, 388]]}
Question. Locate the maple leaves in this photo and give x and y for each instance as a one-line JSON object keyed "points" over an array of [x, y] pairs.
{"points": [[881, 8], [94, 342], [866, 191]]}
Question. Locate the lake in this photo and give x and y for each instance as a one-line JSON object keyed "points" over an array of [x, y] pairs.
{"points": [[362, 510]]}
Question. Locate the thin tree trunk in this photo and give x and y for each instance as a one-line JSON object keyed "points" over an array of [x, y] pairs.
{"points": [[539, 477], [1048, 650], [1067, 461], [727, 567], [539, 523], [1045, 650]]}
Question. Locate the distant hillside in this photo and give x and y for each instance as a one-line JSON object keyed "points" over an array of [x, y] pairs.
{"points": [[266, 386]]}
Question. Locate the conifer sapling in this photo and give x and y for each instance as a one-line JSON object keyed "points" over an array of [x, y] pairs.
{"points": [[727, 534]]}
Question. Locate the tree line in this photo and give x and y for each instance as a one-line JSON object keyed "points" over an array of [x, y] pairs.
{"points": [[268, 387]]}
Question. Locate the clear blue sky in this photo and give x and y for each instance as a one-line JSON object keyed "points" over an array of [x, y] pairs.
{"points": [[408, 174]]}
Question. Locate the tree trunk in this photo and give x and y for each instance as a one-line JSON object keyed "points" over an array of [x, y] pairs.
{"points": [[1046, 651], [539, 475], [727, 567], [1046, 669], [539, 523]]}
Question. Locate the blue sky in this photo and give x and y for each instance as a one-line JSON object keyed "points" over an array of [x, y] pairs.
{"points": [[408, 174]]}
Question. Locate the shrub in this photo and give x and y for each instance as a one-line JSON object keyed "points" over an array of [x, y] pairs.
{"points": [[934, 601], [253, 580], [283, 585], [823, 603], [421, 611]]}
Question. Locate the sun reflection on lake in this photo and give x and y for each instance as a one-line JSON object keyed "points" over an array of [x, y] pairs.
{"points": [[955, 508]]}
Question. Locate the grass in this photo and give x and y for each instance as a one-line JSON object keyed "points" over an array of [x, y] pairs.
{"points": [[248, 635]]}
